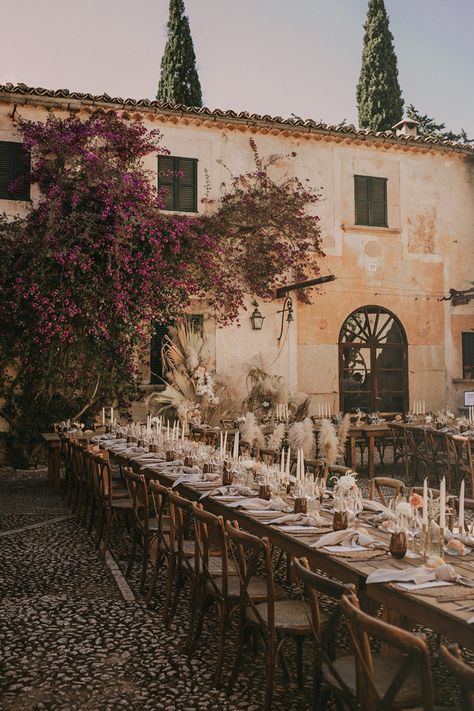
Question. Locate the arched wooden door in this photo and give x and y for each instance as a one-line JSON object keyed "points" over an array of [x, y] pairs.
{"points": [[373, 362]]}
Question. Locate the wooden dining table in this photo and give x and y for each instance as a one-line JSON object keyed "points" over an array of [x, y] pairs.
{"points": [[447, 618]]}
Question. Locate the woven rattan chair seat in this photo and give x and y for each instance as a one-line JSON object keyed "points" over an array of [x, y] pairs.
{"points": [[188, 546], [385, 668], [123, 504], [165, 524], [215, 566], [257, 588], [291, 616]]}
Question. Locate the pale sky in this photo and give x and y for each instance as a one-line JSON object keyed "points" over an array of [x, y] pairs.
{"points": [[274, 57]]}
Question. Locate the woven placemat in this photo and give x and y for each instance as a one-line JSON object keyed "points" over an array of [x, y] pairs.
{"points": [[458, 592], [358, 555]]}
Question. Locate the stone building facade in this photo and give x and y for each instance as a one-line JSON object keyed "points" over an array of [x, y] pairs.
{"points": [[397, 221]]}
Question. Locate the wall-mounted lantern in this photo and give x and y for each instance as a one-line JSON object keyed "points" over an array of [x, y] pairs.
{"points": [[256, 318]]}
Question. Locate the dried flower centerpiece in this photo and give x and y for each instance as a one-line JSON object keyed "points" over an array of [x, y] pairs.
{"points": [[192, 390]]}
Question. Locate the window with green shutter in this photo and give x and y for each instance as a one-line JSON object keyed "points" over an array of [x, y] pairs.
{"points": [[179, 177], [14, 168], [370, 201]]}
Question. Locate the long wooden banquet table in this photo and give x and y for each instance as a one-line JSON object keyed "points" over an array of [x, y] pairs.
{"points": [[444, 617]]}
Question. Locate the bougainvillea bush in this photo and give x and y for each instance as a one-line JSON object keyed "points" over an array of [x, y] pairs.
{"points": [[97, 260]]}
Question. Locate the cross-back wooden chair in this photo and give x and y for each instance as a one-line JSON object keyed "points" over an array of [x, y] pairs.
{"points": [[164, 547], [461, 461], [145, 527], [380, 681], [417, 454], [402, 457], [110, 505], [217, 578], [267, 456], [323, 625], [78, 475], [396, 486], [182, 551], [274, 620], [93, 482], [461, 671], [438, 456]]}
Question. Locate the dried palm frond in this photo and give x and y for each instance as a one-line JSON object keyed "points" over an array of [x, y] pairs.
{"points": [[328, 442], [300, 410], [342, 435], [182, 347], [276, 438], [309, 445]]}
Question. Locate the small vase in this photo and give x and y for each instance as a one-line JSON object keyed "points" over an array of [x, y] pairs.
{"points": [[340, 521], [431, 541], [398, 544], [301, 505], [264, 492]]}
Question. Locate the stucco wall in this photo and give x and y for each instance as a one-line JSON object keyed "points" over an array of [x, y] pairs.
{"points": [[406, 268]]}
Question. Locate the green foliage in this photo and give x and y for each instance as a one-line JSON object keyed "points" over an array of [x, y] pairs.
{"points": [[429, 127], [379, 97], [179, 80]]}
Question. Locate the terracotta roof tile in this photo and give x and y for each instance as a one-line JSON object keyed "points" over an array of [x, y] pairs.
{"points": [[10, 91]]}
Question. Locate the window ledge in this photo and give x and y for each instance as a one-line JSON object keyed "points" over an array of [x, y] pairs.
{"points": [[369, 229], [467, 381]]}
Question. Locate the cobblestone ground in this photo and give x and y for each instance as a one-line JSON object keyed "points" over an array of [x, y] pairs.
{"points": [[69, 640]]}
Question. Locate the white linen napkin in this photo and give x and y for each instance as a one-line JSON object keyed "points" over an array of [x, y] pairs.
{"points": [[301, 519], [349, 538], [415, 575], [194, 475], [375, 506], [232, 490], [257, 504]]}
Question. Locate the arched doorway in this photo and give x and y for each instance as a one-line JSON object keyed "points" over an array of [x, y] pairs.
{"points": [[373, 362]]}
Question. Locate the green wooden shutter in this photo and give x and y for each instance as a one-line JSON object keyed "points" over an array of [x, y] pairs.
{"points": [[362, 204], [186, 185], [15, 165], [5, 179], [378, 202], [166, 179]]}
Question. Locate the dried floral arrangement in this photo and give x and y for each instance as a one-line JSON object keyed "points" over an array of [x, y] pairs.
{"points": [[266, 390], [301, 436], [332, 442], [192, 389]]}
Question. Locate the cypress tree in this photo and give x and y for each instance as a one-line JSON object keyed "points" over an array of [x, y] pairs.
{"points": [[179, 80], [379, 97]]}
